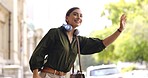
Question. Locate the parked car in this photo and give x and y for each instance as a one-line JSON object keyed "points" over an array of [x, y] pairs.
{"points": [[103, 71], [136, 74]]}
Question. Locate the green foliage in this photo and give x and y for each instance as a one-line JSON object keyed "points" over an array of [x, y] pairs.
{"points": [[107, 55], [127, 69], [132, 44]]}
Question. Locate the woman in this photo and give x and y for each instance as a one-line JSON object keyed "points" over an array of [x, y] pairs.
{"points": [[61, 46]]}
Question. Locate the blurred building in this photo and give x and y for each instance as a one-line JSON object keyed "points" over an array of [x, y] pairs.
{"points": [[17, 39]]}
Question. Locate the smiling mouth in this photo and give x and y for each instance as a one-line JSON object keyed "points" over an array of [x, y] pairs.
{"points": [[77, 21]]}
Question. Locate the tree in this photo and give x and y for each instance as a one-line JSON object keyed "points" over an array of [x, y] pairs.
{"points": [[132, 44]]}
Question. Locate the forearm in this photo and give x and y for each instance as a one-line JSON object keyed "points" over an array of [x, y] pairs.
{"points": [[107, 41], [114, 36]]}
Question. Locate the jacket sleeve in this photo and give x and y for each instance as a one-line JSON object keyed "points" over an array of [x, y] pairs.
{"points": [[37, 58], [91, 45]]}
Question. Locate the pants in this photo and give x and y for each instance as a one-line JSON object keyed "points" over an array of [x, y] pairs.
{"points": [[50, 75]]}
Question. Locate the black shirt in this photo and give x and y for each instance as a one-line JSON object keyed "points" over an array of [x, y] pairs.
{"points": [[61, 53]]}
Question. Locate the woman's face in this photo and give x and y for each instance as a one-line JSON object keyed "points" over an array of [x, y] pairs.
{"points": [[75, 18]]}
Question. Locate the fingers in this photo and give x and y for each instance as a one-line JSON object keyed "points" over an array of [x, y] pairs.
{"points": [[123, 21], [123, 17]]}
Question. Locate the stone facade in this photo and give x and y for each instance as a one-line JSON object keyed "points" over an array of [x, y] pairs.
{"points": [[17, 39]]}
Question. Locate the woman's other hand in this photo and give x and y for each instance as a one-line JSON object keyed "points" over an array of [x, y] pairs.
{"points": [[35, 74]]}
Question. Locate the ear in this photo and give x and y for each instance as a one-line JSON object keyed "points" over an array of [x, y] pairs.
{"points": [[66, 19]]}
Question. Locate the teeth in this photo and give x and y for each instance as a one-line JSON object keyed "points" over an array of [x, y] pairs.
{"points": [[77, 21]]}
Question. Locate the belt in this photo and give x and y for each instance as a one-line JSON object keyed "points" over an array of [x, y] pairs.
{"points": [[50, 70]]}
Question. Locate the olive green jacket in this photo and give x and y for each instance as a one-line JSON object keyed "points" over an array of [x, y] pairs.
{"points": [[61, 53]]}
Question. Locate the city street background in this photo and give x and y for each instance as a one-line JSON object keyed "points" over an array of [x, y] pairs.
{"points": [[23, 23]]}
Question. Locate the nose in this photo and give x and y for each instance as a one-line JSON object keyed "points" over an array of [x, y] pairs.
{"points": [[79, 16]]}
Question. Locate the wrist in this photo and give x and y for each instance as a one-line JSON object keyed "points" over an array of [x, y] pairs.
{"points": [[119, 30]]}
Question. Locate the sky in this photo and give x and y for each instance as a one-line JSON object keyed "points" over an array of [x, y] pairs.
{"points": [[48, 14]]}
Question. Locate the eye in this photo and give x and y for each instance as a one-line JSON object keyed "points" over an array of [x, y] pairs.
{"points": [[75, 14], [81, 15]]}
